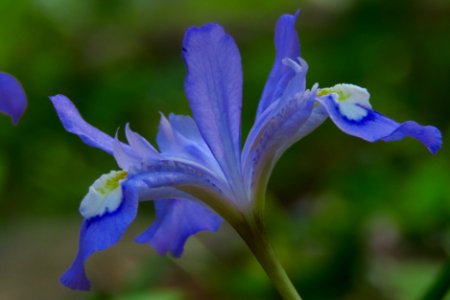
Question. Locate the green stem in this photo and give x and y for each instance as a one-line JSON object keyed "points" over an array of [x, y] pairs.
{"points": [[441, 286], [255, 237]]}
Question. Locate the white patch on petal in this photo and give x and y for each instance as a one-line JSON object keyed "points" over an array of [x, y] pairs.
{"points": [[104, 195], [352, 111], [352, 100]]}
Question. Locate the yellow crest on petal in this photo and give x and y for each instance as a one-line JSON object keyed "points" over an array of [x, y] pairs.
{"points": [[104, 195]]}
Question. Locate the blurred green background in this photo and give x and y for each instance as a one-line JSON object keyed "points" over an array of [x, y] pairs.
{"points": [[349, 219]]}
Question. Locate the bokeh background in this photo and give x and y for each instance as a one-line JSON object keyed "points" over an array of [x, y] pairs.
{"points": [[349, 219]]}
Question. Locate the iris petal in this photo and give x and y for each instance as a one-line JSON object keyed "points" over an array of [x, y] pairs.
{"points": [[280, 128], [126, 158], [373, 126], [214, 88], [185, 178], [74, 123], [176, 173], [13, 100], [176, 220], [98, 234], [287, 45], [283, 122], [139, 144], [180, 137]]}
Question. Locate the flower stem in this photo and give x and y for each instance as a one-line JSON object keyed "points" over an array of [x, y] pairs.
{"points": [[255, 237]]}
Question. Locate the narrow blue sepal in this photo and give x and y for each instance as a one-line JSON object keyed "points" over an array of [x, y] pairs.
{"points": [[13, 100], [287, 45], [98, 234], [428, 135], [374, 126], [177, 220], [74, 123], [276, 129]]}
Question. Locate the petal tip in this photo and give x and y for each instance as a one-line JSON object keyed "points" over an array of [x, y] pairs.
{"points": [[437, 141], [13, 100], [75, 279], [199, 35]]}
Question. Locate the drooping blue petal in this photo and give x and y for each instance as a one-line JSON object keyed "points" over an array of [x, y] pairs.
{"points": [[98, 234], [13, 100], [214, 89], [177, 220], [280, 127], [181, 138], [286, 46], [361, 121], [178, 216], [74, 123]]}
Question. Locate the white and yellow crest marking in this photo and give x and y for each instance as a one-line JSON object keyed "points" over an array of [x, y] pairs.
{"points": [[352, 100], [104, 195]]}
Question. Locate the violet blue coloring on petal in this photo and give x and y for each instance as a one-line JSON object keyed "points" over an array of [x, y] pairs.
{"points": [[13, 100]]}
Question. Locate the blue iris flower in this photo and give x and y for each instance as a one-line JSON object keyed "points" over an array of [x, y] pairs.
{"points": [[13, 100], [201, 175]]}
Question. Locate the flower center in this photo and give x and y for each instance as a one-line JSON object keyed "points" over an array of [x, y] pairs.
{"points": [[104, 195], [352, 100]]}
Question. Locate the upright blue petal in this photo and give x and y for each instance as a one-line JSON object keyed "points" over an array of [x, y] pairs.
{"points": [[74, 123], [357, 118], [180, 137], [13, 100], [286, 46], [98, 234], [176, 220], [139, 144], [214, 89], [126, 160], [298, 79], [279, 128]]}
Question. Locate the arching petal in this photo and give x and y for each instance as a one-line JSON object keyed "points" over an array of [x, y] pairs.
{"points": [[349, 108], [100, 233], [74, 123], [174, 172], [286, 46], [214, 89], [189, 181], [177, 220], [13, 100]]}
